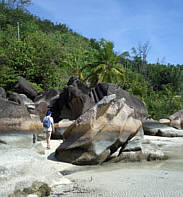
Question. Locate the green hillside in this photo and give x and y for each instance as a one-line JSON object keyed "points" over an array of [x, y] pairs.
{"points": [[48, 55]]}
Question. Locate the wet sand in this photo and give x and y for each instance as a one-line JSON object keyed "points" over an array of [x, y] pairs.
{"points": [[138, 179]]}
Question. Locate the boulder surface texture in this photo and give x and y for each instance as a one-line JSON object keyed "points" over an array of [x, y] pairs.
{"points": [[98, 133]]}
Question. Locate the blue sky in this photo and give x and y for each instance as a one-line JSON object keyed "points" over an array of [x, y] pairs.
{"points": [[127, 23]]}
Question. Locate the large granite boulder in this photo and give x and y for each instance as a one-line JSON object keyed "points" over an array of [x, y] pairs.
{"points": [[15, 116], [24, 87], [98, 133], [2, 92], [9, 109], [23, 100], [45, 101], [74, 100]]}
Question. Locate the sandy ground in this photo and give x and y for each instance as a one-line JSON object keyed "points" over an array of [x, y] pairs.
{"points": [[49, 154], [138, 179]]}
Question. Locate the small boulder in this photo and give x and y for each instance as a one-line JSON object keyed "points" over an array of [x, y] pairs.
{"points": [[22, 99], [158, 129], [164, 121], [176, 119], [39, 148], [25, 87]]}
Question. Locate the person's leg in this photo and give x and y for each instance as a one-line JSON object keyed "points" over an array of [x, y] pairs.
{"points": [[48, 135]]}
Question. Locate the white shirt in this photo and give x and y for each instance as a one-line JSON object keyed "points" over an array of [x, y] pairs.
{"points": [[50, 128]]}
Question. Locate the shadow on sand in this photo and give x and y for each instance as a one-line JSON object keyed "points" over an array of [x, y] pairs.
{"points": [[65, 172], [52, 157]]}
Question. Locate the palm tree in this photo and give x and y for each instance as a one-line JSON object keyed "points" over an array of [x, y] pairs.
{"points": [[107, 69]]}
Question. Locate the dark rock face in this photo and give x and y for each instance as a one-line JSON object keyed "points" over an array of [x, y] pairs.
{"points": [[98, 133], [2, 92], [77, 98], [24, 87], [74, 100], [49, 97]]}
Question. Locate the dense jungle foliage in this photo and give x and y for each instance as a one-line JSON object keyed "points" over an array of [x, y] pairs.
{"points": [[48, 54]]}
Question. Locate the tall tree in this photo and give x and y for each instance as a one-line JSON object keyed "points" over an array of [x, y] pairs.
{"points": [[140, 54], [108, 68], [142, 51]]}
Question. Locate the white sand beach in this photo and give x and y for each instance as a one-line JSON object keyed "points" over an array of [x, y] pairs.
{"points": [[133, 179], [138, 179]]}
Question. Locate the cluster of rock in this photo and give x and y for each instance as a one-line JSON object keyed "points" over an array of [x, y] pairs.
{"points": [[107, 123], [22, 108], [77, 98], [15, 110], [107, 131]]}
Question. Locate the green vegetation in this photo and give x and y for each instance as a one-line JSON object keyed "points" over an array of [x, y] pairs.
{"points": [[47, 55]]}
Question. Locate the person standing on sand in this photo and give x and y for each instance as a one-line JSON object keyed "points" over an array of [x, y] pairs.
{"points": [[48, 125]]}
